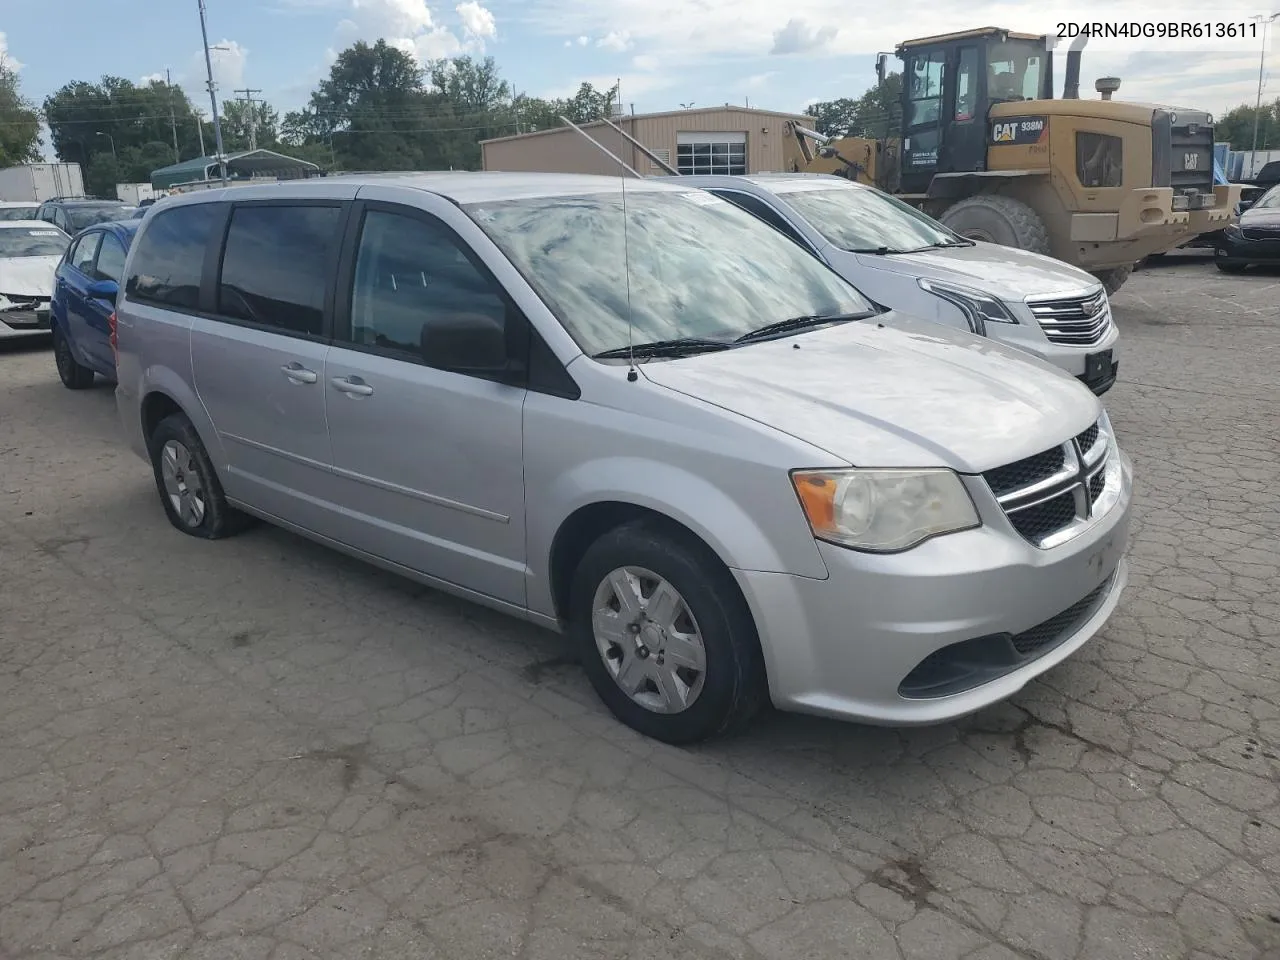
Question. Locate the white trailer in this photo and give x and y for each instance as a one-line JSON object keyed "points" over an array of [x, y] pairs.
{"points": [[134, 193], [38, 182]]}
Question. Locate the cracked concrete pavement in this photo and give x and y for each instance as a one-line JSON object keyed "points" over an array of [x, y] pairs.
{"points": [[257, 749]]}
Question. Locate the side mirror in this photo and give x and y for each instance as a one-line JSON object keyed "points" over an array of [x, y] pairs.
{"points": [[1245, 205], [473, 343], [104, 290]]}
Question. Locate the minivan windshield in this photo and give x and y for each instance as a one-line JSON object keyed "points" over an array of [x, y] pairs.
{"points": [[700, 267], [31, 242], [86, 216], [860, 218]]}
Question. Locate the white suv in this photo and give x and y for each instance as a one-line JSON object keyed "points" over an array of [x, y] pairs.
{"points": [[909, 262]]}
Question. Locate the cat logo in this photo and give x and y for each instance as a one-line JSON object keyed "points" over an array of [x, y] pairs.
{"points": [[1005, 133]]}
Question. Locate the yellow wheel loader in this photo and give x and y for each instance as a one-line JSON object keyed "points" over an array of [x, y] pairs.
{"points": [[986, 149]]}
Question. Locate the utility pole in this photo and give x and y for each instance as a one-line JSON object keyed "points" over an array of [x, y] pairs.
{"points": [[213, 96], [1257, 110], [253, 117], [173, 122], [199, 115]]}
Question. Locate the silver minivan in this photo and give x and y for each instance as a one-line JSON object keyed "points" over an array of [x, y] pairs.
{"points": [[634, 412], [910, 262]]}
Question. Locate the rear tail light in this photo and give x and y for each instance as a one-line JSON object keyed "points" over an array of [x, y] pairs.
{"points": [[115, 342]]}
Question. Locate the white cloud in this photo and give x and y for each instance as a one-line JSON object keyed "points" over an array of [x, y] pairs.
{"points": [[799, 36], [616, 40], [7, 58], [228, 58], [150, 78], [410, 26], [476, 20], [583, 41]]}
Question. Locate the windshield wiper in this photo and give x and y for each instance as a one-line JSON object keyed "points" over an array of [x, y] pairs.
{"points": [[878, 251], [679, 347], [955, 242], [800, 323]]}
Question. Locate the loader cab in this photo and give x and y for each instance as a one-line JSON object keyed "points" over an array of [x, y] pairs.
{"points": [[949, 83]]}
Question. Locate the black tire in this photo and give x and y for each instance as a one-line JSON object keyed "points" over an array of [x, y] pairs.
{"points": [[733, 685], [998, 219], [1113, 279], [216, 519], [1227, 266], [74, 375]]}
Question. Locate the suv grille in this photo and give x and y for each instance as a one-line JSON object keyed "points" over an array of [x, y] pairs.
{"points": [[1074, 321], [1261, 233], [1050, 494]]}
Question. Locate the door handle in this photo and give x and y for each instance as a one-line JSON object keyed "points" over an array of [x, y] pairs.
{"points": [[298, 373], [352, 386]]}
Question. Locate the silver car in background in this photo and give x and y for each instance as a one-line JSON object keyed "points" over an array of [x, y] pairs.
{"points": [[910, 262], [635, 412]]}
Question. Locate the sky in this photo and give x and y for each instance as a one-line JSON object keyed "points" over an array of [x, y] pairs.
{"points": [[667, 53]]}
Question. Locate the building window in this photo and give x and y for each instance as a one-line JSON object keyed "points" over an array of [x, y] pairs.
{"points": [[1099, 160], [719, 153]]}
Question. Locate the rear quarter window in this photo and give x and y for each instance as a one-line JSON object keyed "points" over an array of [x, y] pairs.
{"points": [[169, 257]]}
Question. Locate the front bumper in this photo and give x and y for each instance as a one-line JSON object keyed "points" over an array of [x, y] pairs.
{"points": [[862, 643], [24, 323], [1239, 249], [1027, 335], [1147, 222]]}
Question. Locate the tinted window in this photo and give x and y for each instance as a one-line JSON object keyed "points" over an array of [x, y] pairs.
{"points": [[18, 213], [277, 264], [110, 259], [694, 265], [859, 218], [409, 273], [60, 219], [966, 83], [86, 216], [756, 206], [1099, 160], [925, 87], [82, 255], [170, 256]]}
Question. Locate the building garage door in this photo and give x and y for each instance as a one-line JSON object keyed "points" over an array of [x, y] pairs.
{"points": [[719, 152]]}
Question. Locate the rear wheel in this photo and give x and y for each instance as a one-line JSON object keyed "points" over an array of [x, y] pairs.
{"points": [[1113, 279], [998, 219], [665, 636], [74, 375], [1228, 267]]}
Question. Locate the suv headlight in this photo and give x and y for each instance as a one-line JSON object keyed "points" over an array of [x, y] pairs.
{"points": [[978, 307], [884, 511]]}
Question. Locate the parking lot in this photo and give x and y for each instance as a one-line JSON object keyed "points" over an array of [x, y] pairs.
{"points": [[256, 749]]}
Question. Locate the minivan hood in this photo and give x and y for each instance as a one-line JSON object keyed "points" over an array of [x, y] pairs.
{"points": [[28, 276], [893, 392], [1008, 273]]}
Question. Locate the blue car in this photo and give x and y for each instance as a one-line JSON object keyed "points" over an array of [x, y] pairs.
{"points": [[82, 314]]}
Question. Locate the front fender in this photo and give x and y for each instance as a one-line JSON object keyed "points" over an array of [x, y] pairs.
{"points": [[743, 538]]}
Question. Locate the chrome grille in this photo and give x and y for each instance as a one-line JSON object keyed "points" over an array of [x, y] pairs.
{"points": [[1073, 321], [1051, 496]]}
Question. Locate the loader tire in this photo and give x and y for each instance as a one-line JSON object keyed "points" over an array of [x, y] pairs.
{"points": [[998, 219], [1113, 279]]}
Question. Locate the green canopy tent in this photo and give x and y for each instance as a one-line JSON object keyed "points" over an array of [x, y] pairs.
{"points": [[262, 164]]}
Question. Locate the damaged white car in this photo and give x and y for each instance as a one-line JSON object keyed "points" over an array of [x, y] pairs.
{"points": [[30, 251]]}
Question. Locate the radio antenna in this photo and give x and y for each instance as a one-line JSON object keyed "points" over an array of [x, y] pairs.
{"points": [[632, 373]]}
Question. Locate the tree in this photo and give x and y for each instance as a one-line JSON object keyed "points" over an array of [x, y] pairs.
{"points": [[133, 126], [588, 104], [876, 114], [236, 125], [19, 121], [479, 100], [1236, 126]]}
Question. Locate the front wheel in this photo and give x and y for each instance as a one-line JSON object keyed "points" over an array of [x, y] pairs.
{"points": [[1226, 266], [665, 636], [995, 218], [73, 374], [188, 485]]}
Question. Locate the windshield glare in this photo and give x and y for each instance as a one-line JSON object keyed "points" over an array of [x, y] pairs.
{"points": [[17, 213], [1269, 199], [81, 217], [699, 266], [31, 242], [853, 218]]}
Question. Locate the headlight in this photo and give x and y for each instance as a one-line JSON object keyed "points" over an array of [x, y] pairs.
{"points": [[883, 511], [978, 307], [1232, 230]]}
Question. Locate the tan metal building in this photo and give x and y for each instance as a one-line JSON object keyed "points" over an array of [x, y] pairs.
{"points": [[725, 140]]}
